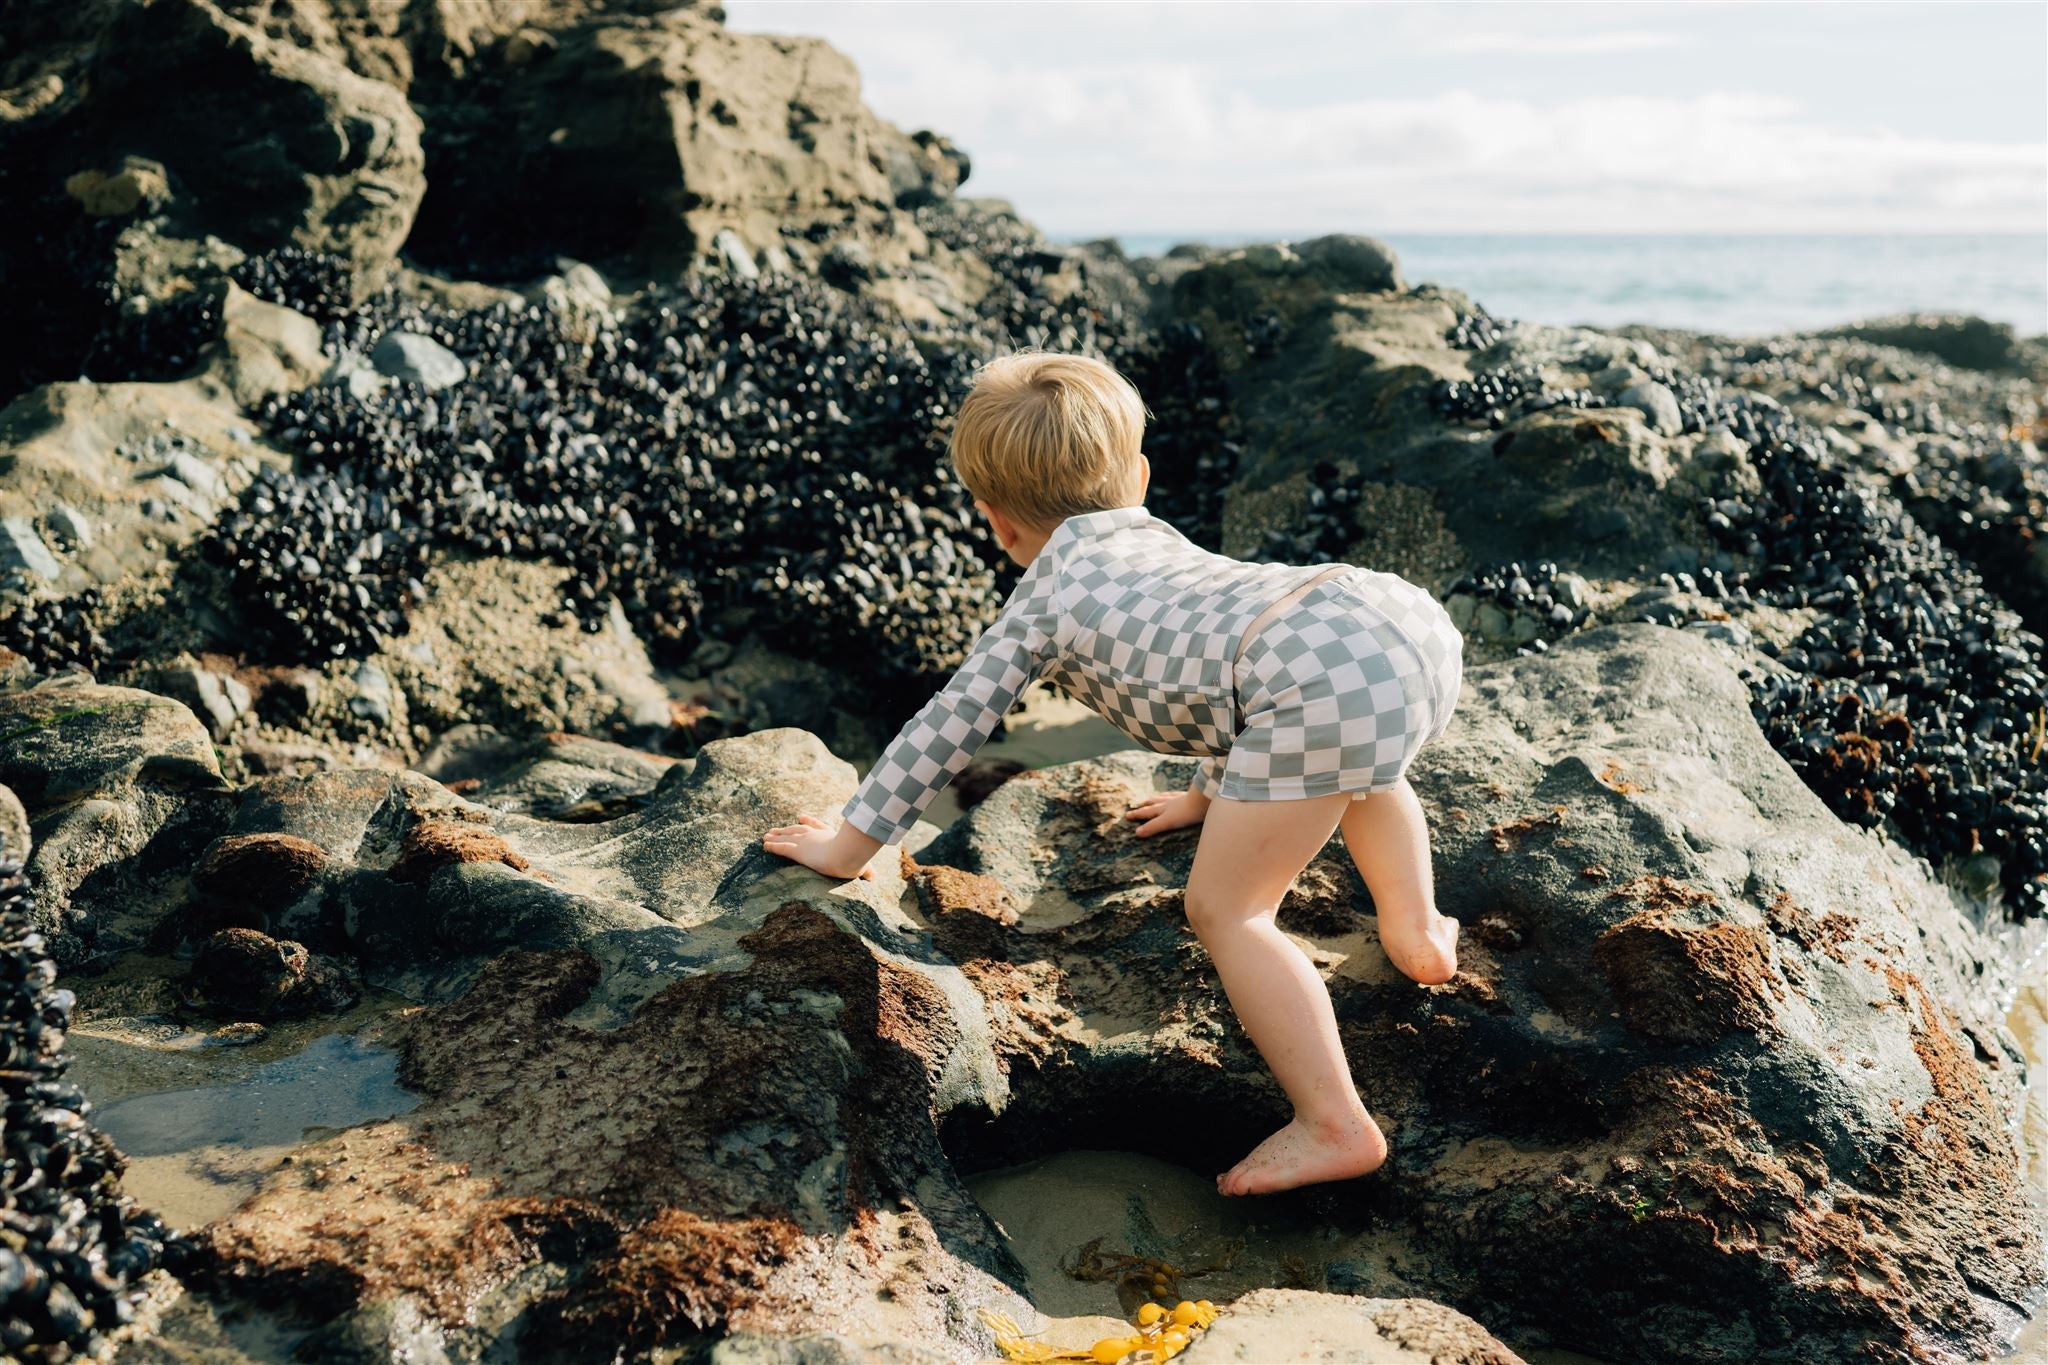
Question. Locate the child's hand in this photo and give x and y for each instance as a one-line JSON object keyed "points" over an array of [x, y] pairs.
{"points": [[840, 854], [1161, 812]]}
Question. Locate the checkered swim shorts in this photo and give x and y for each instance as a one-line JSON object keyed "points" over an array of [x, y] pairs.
{"points": [[1338, 692]]}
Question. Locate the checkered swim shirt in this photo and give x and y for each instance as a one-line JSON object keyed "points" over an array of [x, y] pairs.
{"points": [[1122, 612]]}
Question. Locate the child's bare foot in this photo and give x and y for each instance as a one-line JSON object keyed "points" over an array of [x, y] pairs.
{"points": [[1304, 1154], [1425, 954]]}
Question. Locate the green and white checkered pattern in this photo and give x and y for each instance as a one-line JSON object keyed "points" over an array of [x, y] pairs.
{"points": [[1341, 690], [1128, 616]]}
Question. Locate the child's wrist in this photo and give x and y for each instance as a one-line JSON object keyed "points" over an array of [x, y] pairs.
{"points": [[853, 847]]}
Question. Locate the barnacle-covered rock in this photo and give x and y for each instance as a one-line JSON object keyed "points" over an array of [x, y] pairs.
{"points": [[76, 1249]]}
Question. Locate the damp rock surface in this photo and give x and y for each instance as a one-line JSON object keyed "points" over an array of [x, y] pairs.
{"points": [[1304, 1325], [122, 789], [1691, 1004], [673, 1087]]}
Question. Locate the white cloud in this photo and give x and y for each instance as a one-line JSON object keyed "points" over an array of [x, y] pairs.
{"points": [[1108, 125], [1529, 44]]}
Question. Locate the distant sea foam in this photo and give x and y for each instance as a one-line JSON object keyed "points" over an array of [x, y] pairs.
{"points": [[1737, 285]]}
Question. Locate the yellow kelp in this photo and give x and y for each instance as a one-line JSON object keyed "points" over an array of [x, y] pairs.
{"points": [[1162, 1334]]}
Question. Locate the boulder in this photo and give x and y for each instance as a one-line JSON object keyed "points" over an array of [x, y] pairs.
{"points": [[1725, 1059], [1327, 361], [1971, 342], [136, 183], [1351, 262], [264, 349], [490, 645], [1657, 404], [184, 106], [418, 359], [22, 551], [552, 777], [246, 974], [220, 700], [1706, 1042], [122, 789], [749, 1152], [643, 142]]}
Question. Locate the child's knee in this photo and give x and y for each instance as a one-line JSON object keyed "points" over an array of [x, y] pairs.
{"points": [[1210, 913]]}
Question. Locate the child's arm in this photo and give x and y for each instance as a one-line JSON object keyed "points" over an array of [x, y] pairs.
{"points": [[936, 743]]}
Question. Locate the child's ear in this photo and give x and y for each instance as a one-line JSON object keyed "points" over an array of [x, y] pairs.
{"points": [[1144, 477], [1005, 529]]}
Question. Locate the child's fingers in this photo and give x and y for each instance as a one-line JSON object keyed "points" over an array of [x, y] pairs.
{"points": [[813, 821]]}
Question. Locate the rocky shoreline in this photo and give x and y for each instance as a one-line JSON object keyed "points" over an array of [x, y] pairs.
{"points": [[518, 483]]}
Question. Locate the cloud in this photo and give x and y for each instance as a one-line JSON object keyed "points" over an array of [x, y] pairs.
{"points": [[1527, 44], [1175, 133]]}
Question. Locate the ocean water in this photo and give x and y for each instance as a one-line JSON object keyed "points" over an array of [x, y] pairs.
{"points": [[1735, 285]]}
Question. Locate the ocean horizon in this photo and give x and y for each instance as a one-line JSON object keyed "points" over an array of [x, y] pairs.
{"points": [[1728, 283]]}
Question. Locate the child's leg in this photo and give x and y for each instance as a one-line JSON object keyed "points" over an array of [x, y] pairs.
{"points": [[1249, 853], [1388, 836]]}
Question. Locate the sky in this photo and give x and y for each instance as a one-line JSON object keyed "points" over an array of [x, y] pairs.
{"points": [[1282, 119]]}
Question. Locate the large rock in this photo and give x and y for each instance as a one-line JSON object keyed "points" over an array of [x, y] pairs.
{"points": [[1972, 342], [263, 141], [1723, 1059], [639, 139], [122, 790], [419, 359], [753, 1150], [490, 644], [1718, 1079], [589, 1095], [1327, 359], [553, 777]]}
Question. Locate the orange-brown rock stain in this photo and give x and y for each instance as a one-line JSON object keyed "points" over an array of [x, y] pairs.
{"points": [[375, 1213], [1611, 776], [1828, 933], [678, 1268], [1686, 983], [1508, 835]]}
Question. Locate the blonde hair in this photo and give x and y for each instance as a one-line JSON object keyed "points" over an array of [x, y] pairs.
{"points": [[1045, 437]]}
